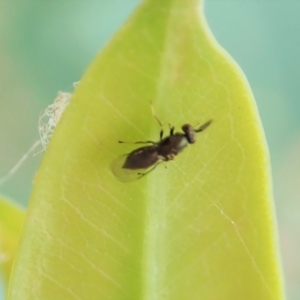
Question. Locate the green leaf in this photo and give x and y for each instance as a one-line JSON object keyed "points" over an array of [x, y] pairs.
{"points": [[200, 227], [11, 221]]}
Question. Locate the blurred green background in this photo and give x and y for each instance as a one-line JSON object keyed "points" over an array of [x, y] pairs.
{"points": [[46, 46]]}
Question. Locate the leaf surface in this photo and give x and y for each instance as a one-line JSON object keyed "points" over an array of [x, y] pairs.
{"points": [[200, 227], [11, 221]]}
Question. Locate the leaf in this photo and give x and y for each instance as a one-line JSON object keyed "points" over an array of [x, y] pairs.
{"points": [[11, 221], [202, 227]]}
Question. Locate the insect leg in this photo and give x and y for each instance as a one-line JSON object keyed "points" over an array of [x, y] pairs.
{"points": [[159, 122], [143, 174], [161, 133], [172, 128], [154, 115]]}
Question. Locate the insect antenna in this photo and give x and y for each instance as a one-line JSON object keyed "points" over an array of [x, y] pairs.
{"points": [[204, 126]]}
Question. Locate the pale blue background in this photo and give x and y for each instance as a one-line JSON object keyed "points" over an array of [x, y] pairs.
{"points": [[45, 46]]}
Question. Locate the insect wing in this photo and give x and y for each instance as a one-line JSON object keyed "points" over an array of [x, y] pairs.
{"points": [[124, 174], [135, 164]]}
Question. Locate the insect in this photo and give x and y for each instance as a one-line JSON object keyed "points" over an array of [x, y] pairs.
{"points": [[143, 160]]}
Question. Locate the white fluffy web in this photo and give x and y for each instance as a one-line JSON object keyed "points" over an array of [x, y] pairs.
{"points": [[47, 123], [50, 117]]}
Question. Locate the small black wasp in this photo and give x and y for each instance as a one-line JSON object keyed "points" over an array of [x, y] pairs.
{"points": [[143, 160]]}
